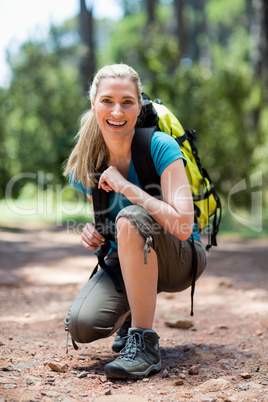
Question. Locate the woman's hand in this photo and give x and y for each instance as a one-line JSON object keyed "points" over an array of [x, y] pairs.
{"points": [[91, 239], [112, 179]]}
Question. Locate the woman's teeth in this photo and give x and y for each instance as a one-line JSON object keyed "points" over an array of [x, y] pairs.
{"points": [[116, 123]]}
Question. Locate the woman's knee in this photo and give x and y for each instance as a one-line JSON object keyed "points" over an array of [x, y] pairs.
{"points": [[96, 309], [133, 221], [86, 326], [127, 234]]}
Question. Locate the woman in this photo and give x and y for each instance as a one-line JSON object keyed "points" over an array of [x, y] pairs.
{"points": [[162, 227]]}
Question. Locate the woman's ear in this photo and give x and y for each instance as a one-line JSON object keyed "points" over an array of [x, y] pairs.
{"points": [[92, 107]]}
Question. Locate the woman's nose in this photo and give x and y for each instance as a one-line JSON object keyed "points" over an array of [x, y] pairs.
{"points": [[117, 110]]}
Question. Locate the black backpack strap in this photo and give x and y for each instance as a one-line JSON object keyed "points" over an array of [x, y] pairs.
{"points": [[100, 199], [101, 253], [194, 273], [143, 162]]}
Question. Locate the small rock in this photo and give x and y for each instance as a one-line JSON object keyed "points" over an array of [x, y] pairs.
{"points": [[21, 367], [246, 375], [127, 397], [51, 394], [187, 347], [243, 387], [103, 378], [7, 368], [211, 332], [184, 395], [9, 386], [165, 374], [161, 392], [95, 358], [82, 374], [108, 391], [58, 367], [50, 381], [178, 383], [214, 385], [182, 376], [194, 370], [225, 283], [92, 376], [225, 364], [223, 326], [180, 324]]}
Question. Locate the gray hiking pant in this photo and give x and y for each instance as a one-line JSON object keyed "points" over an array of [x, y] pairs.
{"points": [[102, 305]]}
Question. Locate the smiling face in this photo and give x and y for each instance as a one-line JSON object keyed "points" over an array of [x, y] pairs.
{"points": [[117, 107]]}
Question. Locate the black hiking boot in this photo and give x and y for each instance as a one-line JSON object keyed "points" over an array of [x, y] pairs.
{"points": [[121, 336], [139, 358]]}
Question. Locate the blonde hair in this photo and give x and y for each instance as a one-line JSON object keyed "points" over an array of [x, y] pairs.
{"points": [[90, 152]]}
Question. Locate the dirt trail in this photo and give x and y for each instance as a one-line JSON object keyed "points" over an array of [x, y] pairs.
{"points": [[223, 356]]}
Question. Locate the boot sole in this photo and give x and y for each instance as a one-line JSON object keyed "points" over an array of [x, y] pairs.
{"points": [[115, 371]]}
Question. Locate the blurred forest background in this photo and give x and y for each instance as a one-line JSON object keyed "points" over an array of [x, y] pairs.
{"points": [[207, 60]]}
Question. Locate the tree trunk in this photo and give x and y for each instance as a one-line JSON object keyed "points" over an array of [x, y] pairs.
{"points": [[259, 36], [258, 26], [205, 51], [264, 46], [151, 10], [88, 60], [180, 26]]}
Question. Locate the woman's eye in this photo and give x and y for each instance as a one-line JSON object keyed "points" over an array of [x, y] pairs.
{"points": [[128, 102], [106, 100]]}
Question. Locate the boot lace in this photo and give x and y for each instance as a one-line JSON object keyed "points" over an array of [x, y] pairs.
{"points": [[135, 342]]}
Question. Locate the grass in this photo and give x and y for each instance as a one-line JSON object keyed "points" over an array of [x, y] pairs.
{"points": [[243, 225], [44, 211]]}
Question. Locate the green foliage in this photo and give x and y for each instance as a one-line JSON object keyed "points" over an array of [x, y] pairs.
{"points": [[225, 12], [58, 206], [5, 167], [222, 99], [43, 105], [118, 49]]}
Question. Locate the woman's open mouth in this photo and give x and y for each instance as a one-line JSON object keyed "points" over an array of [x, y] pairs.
{"points": [[116, 123]]}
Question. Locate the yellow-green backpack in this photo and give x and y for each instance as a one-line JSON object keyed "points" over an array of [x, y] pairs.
{"points": [[206, 201]]}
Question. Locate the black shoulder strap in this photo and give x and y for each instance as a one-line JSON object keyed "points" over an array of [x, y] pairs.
{"points": [[100, 199], [143, 162]]}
